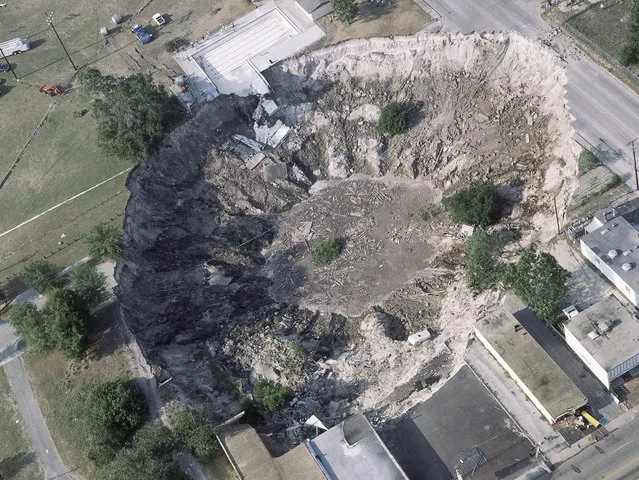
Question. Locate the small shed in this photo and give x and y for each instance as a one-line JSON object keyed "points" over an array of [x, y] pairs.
{"points": [[315, 9]]}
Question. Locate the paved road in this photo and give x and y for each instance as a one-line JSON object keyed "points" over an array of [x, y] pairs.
{"points": [[41, 440], [606, 111], [616, 457]]}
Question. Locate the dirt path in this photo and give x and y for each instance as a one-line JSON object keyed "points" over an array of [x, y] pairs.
{"points": [[37, 429]]}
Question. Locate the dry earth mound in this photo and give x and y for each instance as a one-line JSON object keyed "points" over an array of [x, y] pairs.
{"points": [[218, 282]]}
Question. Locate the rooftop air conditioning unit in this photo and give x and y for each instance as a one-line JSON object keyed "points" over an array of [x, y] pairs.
{"points": [[612, 254], [626, 267], [593, 334]]}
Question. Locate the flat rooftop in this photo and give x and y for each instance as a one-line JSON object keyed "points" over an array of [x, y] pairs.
{"points": [[619, 344], [534, 367], [621, 235], [352, 450]]}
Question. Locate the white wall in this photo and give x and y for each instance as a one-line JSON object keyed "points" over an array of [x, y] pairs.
{"points": [[626, 366], [610, 274], [597, 370], [510, 371]]}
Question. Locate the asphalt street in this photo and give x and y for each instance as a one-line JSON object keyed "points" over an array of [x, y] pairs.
{"points": [[41, 440], [616, 457], [606, 111]]}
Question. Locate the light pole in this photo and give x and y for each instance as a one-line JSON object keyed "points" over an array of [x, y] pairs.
{"points": [[10, 67], [634, 158], [50, 23]]}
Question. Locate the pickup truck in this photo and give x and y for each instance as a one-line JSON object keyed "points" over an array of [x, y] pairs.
{"points": [[140, 32]]}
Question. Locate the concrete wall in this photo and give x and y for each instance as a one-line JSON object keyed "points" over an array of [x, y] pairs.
{"points": [[510, 371], [610, 274], [597, 370]]}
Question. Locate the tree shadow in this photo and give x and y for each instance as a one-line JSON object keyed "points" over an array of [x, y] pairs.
{"points": [[104, 337], [606, 154], [372, 10], [12, 466]]}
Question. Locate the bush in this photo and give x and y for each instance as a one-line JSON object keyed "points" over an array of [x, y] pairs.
{"points": [[176, 44], [193, 431], [271, 397], [327, 250], [66, 318], [345, 10], [250, 409], [105, 241], [392, 119], [111, 412], [482, 271], [39, 275], [587, 161], [476, 206], [29, 323], [88, 283], [539, 281], [150, 457], [627, 55], [131, 112]]}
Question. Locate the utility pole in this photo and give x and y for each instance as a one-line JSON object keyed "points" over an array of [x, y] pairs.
{"points": [[10, 67], [50, 23], [554, 199], [634, 157]]}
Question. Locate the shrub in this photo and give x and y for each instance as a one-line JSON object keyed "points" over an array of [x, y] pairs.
{"points": [[627, 55], [482, 271], [88, 283], [111, 412], [105, 241], [476, 206], [392, 119], [39, 275], [327, 250], [270, 396], [176, 44], [66, 317], [192, 430], [29, 323], [250, 409], [587, 161], [345, 10], [539, 281]]}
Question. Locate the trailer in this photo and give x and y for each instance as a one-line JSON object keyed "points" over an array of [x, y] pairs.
{"points": [[15, 46]]}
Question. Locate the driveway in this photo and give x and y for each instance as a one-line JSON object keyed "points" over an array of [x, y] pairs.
{"points": [[606, 111], [41, 440]]}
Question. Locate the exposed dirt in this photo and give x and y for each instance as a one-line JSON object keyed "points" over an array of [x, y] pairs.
{"points": [[218, 282]]}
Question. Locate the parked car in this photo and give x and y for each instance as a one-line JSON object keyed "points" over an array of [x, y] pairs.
{"points": [[140, 32], [4, 67], [15, 46]]}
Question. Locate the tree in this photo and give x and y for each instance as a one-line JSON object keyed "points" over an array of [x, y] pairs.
{"points": [[482, 271], [66, 318], [630, 52], [132, 113], [539, 281], [150, 457], [327, 250], [29, 323], [345, 10], [105, 241], [587, 161], [39, 275], [476, 206], [270, 396], [193, 430], [111, 412], [88, 283], [392, 119]]}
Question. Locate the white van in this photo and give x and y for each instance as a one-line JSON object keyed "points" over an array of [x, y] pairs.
{"points": [[17, 45]]}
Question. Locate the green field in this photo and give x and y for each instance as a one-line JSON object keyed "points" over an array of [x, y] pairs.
{"points": [[17, 461], [607, 28]]}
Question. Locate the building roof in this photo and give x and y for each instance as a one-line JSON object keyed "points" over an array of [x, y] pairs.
{"points": [[352, 450], [619, 343], [617, 230], [534, 367], [309, 6]]}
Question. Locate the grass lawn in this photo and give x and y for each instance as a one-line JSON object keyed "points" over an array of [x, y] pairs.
{"points": [[400, 17], [55, 382], [607, 28], [17, 461]]}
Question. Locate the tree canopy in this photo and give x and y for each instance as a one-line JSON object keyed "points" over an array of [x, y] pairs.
{"points": [[88, 283], [29, 323], [66, 318], [193, 430], [392, 119], [270, 396], [539, 281], [345, 10], [105, 241], [39, 275], [587, 161], [132, 113], [482, 271], [630, 52], [476, 206]]}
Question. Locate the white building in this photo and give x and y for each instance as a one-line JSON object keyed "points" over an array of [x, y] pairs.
{"points": [[611, 243], [606, 338], [541, 379]]}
